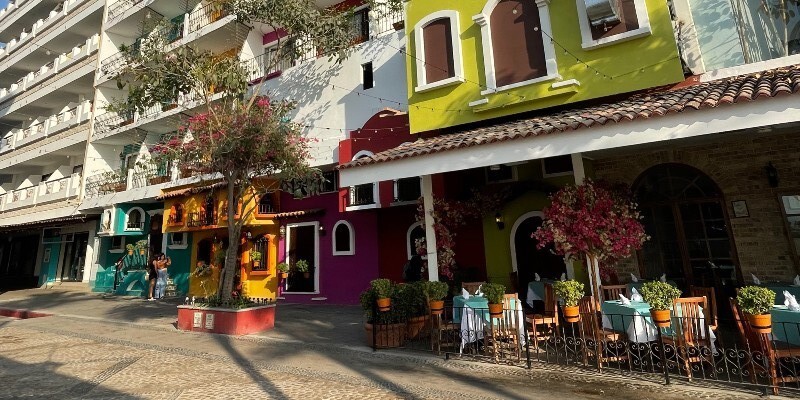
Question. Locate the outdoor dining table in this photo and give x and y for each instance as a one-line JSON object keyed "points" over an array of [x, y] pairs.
{"points": [[634, 319], [472, 315], [778, 288], [786, 325], [638, 285]]}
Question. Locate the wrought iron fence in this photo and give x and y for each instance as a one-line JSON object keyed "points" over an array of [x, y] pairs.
{"points": [[105, 183], [205, 15], [198, 219], [116, 9], [689, 349], [150, 174], [386, 19], [111, 65]]}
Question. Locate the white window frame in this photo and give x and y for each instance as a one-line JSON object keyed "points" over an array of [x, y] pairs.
{"points": [[555, 174], [514, 175], [316, 259], [419, 47], [375, 187], [115, 250], [178, 246], [127, 217], [352, 239], [484, 20], [588, 43], [408, 245]]}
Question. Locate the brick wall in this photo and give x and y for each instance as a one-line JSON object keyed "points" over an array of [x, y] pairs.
{"points": [[736, 163]]}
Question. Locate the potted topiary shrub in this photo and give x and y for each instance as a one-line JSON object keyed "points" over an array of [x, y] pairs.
{"points": [[302, 266], [661, 296], [383, 289], [283, 270], [384, 329], [494, 293], [411, 305], [570, 292], [255, 256], [435, 293], [756, 303]]}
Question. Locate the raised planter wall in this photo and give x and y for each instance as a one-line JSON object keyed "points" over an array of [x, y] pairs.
{"points": [[226, 321]]}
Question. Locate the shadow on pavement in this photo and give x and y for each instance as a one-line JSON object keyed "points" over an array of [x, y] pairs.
{"points": [[266, 385]]}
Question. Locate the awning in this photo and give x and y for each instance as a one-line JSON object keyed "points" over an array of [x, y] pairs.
{"points": [[687, 110], [48, 223], [190, 191], [298, 214]]}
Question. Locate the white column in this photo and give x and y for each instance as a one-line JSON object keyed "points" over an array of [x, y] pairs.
{"points": [[430, 233], [578, 170]]}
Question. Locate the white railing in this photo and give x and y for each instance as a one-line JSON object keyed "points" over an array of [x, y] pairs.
{"points": [[60, 63], [11, 6], [61, 11], [47, 126], [44, 192]]}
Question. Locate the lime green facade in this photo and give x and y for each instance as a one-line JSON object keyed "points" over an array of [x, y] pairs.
{"points": [[648, 59]]}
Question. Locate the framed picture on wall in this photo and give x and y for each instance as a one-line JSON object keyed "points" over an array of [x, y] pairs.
{"points": [[740, 209], [46, 255]]}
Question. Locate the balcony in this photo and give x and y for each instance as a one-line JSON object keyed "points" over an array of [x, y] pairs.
{"points": [[43, 127], [200, 219], [105, 183], [40, 26], [44, 192], [60, 63], [118, 9], [149, 175]]}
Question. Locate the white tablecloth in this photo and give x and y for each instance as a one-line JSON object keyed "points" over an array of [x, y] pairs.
{"points": [[473, 324], [641, 328]]}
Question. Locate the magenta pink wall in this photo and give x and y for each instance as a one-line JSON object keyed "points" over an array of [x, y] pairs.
{"points": [[342, 278]]}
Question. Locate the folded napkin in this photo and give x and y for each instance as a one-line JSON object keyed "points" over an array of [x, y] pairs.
{"points": [[756, 281], [791, 301], [563, 277], [635, 296], [624, 300], [796, 280], [465, 294], [479, 292], [634, 278], [663, 278], [537, 277]]}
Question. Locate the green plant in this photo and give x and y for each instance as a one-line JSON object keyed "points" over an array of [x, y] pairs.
{"points": [[435, 290], [570, 291], [383, 288], [410, 299], [130, 247], [255, 255], [142, 244], [755, 300], [282, 267], [660, 295], [494, 292], [368, 300], [301, 266]]}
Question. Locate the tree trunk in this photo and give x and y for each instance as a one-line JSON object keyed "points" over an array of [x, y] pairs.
{"points": [[234, 229]]}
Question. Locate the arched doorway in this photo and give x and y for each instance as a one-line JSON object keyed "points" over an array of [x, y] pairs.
{"points": [[684, 213], [204, 250], [526, 259], [156, 236]]}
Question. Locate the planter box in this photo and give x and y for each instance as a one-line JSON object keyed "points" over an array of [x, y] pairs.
{"points": [[226, 321]]}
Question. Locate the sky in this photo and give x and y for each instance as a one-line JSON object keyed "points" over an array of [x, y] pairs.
{"points": [[3, 3]]}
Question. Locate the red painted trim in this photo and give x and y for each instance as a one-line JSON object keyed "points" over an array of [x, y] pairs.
{"points": [[240, 322], [273, 36]]}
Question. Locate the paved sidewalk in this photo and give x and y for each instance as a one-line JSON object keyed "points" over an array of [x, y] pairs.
{"points": [[97, 347]]}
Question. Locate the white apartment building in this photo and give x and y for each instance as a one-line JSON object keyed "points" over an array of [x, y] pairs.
{"points": [[46, 103]]}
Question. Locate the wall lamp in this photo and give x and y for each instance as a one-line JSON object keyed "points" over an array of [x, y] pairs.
{"points": [[498, 219]]}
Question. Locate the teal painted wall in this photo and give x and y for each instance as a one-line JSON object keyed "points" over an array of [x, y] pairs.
{"points": [[49, 269], [181, 264], [122, 210]]}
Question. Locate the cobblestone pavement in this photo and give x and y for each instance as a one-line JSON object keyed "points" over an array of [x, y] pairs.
{"points": [[72, 356]]}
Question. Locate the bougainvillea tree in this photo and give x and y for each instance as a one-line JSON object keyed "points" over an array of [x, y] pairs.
{"points": [[237, 136], [593, 222]]}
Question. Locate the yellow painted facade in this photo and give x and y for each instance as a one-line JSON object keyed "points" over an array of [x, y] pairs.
{"points": [[621, 66]]}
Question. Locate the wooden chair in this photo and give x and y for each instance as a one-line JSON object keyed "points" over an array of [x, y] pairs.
{"points": [[612, 292], [596, 337], [503, 332], [472, 287], [544, 325], [692, 332], [711, 312], [762, 344], [514, 278]]}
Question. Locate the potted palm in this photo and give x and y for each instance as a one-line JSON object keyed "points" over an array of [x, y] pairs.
{"points": [[302, 266], [283, 270], [494, 293], [570, 292], [756, 303], [255, 256], [661, 296], [383, 289], [435, 292]]}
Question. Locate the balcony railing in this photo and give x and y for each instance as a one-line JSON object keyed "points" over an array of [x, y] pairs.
{"points": [[204, 16], [134, 225], [151, 174], [116, 9], [111, 65], [105, 183], [44, 127], [362, 195], [62, 10], [10, 8], [198, 219], [43, 192]]}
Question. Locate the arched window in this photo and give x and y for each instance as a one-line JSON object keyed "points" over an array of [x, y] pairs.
{"points": [[176, 214], [135, 219], [343, 239], [517, 49], [438, 48], [415, 231]]}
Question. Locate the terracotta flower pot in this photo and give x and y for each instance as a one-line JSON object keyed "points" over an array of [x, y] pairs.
{"points": [[384, 304], [256, 264], [387, 336], [495, 310], [760, 323], [415, 326], [306, 275], [571, 314], [399, 25], [437, 307], [284, 275], [130, 252], [661, 318]]}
